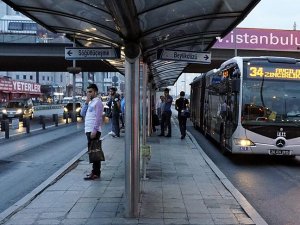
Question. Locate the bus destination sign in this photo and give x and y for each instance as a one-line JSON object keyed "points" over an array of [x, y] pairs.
{"points": [[273, 73]]}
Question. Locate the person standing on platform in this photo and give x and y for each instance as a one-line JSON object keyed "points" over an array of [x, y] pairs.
{"points": [[122, 115], [92, 111], [115, 107], [166, 114], [181, 105], [160, 106]]}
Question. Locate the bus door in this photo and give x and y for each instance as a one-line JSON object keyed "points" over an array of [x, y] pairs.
{"points": [[230, 120]]}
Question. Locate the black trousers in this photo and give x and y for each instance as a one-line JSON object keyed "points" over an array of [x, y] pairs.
{"points": [[166, 121], [182, 124], [96, 165]]}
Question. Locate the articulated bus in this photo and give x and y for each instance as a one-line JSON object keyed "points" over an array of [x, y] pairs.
{"points": [[250, 105]]}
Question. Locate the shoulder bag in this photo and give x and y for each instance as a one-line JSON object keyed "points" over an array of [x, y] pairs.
{"points": [[95, 151]]}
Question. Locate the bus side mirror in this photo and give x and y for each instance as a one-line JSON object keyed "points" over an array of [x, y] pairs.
{"points": [[236, 85]]}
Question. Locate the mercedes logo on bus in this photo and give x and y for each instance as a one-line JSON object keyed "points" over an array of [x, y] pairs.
{"points": [[280, 143]]}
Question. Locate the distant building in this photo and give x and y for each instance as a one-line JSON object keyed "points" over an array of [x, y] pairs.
{"points": [[54, 85]]}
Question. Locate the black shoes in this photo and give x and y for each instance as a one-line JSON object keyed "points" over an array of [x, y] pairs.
{"points": [[182, 136], [169, 135], [91, 177]]}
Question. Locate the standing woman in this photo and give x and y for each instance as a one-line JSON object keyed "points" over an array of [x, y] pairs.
{"points": [[93, 111]]}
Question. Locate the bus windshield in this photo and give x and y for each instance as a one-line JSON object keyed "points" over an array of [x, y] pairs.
{"points": [[271, 94]]}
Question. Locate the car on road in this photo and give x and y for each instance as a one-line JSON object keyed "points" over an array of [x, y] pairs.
{"points": [[68, 109], [18, 108], [2, 105], [104, 100]]}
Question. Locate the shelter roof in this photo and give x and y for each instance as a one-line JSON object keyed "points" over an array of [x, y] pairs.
{"points": [[189, 25]]}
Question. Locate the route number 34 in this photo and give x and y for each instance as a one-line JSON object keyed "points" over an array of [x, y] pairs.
{"points": [[256, 71]]}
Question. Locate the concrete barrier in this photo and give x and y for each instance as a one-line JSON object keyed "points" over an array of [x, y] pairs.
{"points": [[47, 107]]}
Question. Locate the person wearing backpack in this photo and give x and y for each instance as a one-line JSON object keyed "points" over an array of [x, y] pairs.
{"points": [[181, 105], [115, 107]]}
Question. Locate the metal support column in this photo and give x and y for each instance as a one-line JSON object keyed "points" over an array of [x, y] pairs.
{"points": [[144, 102], [149, 112], [132, 126]]}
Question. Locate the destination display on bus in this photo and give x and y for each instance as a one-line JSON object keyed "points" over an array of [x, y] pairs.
{"points": [[273, 73]]}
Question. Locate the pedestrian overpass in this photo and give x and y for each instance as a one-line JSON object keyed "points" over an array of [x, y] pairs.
{"points": [[50, 57]]}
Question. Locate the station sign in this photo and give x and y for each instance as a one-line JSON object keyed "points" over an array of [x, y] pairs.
{"points": [[185, 56], [73, 53]]}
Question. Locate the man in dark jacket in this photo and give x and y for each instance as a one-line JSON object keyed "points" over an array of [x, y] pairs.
{"points": [[115, 107], [181, 105]]}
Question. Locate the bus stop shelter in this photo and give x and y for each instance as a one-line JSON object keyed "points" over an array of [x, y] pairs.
{"points": [[141, 29]]}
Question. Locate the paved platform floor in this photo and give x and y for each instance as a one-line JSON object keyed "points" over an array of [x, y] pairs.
{"points": [[183, 187]]}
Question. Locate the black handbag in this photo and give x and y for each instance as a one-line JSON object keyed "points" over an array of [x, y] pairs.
{"points": [[95, 151], [186, 113]]}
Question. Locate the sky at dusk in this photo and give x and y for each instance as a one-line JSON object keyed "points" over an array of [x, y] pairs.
{"points": [[274, 14]]}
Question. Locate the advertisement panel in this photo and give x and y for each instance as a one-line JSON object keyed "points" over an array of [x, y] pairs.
{"points": [[14, 86], [260, 39]]}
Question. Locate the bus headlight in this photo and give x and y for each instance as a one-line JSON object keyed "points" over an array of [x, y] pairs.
{"points": [[244, 142]]}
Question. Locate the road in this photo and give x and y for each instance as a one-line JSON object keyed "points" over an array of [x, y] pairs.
{"points": [[270, 184], [27, 162], [35, 122]]}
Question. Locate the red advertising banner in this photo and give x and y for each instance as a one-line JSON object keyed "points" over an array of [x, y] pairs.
{"points": [[6, 85], [260, 39], [26, 87], [19, 86]]}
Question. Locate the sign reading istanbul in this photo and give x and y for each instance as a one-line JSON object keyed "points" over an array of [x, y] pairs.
{"points": [[186, 56], [92, 53], [260, 39]]}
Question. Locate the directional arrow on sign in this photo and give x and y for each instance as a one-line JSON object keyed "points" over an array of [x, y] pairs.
{"points": [[69, 53], [185, 56]]}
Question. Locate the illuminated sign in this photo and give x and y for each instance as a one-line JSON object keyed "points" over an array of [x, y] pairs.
{"points": [[273, 73]]}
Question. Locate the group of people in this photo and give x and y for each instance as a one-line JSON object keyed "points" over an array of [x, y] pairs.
{"points": [[93, 112], [164, 112]]}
